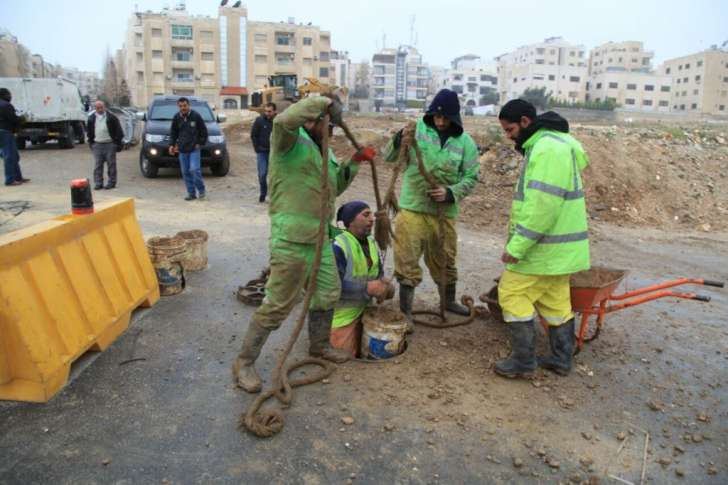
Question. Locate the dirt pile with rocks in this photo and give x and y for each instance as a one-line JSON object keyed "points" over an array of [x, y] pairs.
{"points": [[656, 175]]}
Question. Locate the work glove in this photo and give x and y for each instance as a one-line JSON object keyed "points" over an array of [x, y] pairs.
{"points": [[366, 154]]}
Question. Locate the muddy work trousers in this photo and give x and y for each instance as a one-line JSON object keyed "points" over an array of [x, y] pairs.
{"points": [[417, 234], [523, 297], [290, 268]]}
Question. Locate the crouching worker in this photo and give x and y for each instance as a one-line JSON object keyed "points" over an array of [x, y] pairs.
{"points": [[547, 240], [360, 271]]}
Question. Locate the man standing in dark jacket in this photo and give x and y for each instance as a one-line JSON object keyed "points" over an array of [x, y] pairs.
{"points": [[260, 136], [105, 137], [9, 124], [187, 136]]}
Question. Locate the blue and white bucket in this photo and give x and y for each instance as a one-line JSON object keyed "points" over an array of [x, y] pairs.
{"points": [[384, 332]]}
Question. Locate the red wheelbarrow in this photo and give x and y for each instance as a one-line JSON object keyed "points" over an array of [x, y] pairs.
{"points": [[592, 290]]}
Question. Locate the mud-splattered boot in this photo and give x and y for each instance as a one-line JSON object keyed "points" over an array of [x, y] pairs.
{"points": [[406, 298], [562, 340], [244, 373], [522, 361], [319, 336], [451, 305]]}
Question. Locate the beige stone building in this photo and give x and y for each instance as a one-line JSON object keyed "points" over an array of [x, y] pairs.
{"points": [[699, 82], [557, 65], [220, 59], [15, 58], [622, 72]]}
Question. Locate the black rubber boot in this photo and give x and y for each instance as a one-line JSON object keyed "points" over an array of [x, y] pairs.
{"points": [[562, 340], [319, 335], [522, 361], [451, 305], [244, 373], [406, 298]]}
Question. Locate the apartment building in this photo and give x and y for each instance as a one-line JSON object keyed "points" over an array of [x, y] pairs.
{"points": [[399, 78], [220, 59], [699, 82], [557, 65], [622, 72], [474, 80], [341, 69]]}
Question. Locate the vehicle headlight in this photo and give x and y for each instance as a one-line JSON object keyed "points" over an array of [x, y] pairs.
{"points": [[154, 138], [216, 139]]}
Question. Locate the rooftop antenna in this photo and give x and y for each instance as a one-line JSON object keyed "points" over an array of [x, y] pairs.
{"points": [[384, 40], [412, 29]]}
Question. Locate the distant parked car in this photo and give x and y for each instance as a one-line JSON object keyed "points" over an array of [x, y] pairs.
{"points": [[158, 123]]}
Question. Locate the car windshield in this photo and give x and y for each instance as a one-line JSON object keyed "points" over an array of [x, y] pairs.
{"points": [[165, 110]]}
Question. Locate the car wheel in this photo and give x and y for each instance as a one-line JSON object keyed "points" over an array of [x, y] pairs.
{"points": [[149, 170], [69, 140], [222, 168]]}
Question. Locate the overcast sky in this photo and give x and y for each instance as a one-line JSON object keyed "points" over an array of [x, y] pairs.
{"points": [[77, 32]]}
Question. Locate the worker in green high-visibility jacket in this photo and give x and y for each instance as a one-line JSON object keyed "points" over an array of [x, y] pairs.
{"points": [[295, 194], [548, 238], [451, 156]]}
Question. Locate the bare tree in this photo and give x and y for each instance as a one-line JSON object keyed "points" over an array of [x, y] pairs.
{"points": [[361, 81], [111, 88]]}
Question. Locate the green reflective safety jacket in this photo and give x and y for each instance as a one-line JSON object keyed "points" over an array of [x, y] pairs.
{"points": [[295, 174], [548, 230], [356, 271], [455, 166]]}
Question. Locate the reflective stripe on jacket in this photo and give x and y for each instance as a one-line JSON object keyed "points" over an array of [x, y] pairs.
{"points": [[358, 271], [548, 230]]}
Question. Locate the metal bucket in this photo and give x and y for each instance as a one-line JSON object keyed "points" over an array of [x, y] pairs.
{"points": [[166, 254], [195, 258], [384, 332]]}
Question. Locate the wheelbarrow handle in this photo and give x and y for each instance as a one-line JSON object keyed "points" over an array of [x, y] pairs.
{"points": [[701, 298], [718, 284]]}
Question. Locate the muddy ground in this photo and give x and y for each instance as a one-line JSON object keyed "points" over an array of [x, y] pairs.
{"points": [[436, 414]]}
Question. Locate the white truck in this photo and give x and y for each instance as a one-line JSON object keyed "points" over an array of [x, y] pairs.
{"points": [[52, 110]]}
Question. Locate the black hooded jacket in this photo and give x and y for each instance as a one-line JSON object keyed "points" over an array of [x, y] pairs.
{"points": [[549, 120]]}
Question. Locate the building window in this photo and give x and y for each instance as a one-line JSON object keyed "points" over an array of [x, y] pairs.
{"points": [[613, 85], [667, 70], [679, 68], [184, 55], [697, 78], [631, 87], [721, 107], [207, 56], [284, 58], [573, 94], [515, 79], [599, 85], [684, 93], [694, 106], [307, 41], [677, 94], [156, 54], [682, 107], [183, 76], [572, 54], [696, 91], [629, 101], [140, 76], [456, 77], [725, 79], [665, 89], [283, 38], [260, 38], [458, 89], [687, 66], [138, 40], [540, 51], [645, 61], [539, 61], [664, 104], [649, 87], [324, 72], [574, 79], [206, 36], [183, 32], [552, 77], [685, 79], [472, 79], [324, 57], [156, 32], [261, 59], [139, 57], [699, 63], [646, 102], [679, 81]]}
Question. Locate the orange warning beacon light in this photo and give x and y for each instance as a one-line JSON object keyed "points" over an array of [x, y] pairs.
{"points": [[81, 201]]}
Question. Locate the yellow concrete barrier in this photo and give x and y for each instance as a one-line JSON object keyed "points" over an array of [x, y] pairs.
{"points": [[67, 286]]}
